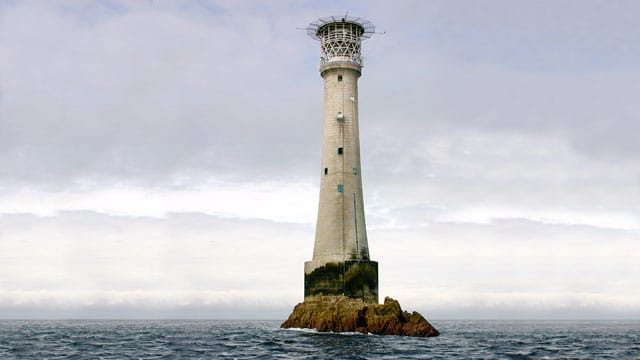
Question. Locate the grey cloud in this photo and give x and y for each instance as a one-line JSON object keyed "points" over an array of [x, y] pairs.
{"points": [[538, 37], [446, 172], [146, 93], [503, 66], [597, 113], [169, 96], [459, 109]]}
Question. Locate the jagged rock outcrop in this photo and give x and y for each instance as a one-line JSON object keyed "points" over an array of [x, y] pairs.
{"points": [[343, 314]]}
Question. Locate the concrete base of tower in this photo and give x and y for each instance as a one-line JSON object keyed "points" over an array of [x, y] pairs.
{"points": [[356, 279]]}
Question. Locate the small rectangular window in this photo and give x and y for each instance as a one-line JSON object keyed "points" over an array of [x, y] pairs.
{"points": [[340, 151], [340, 188], [326, 171], [339, 77], [355, 171]]}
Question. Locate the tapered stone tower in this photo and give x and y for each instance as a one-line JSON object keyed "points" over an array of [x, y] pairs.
{"points": [[341, 263]]}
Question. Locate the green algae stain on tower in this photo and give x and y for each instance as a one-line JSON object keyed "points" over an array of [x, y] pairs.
{"points": [[341, 263]]}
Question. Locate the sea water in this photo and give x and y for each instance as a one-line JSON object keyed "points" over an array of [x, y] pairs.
{"points": [[225, 339]]}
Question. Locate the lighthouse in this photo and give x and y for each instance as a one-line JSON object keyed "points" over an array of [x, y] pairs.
{"points": [[341, 264]]}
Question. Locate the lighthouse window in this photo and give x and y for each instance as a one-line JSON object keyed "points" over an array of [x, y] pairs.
{"points": [[326, 171], [340, 151], [339, 77], [340, 188], [355, 171]]}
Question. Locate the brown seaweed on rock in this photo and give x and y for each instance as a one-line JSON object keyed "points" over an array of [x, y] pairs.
{"points": [[343, 314]]}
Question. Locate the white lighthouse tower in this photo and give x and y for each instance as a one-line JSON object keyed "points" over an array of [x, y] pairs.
{"points": [[341, 263]]}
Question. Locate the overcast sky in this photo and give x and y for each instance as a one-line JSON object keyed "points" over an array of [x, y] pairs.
{"points": [[162, 158]]}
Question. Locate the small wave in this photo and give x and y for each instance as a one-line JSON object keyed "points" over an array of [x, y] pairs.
{"points": [[305, 330], [264, 339], [314, 331]]}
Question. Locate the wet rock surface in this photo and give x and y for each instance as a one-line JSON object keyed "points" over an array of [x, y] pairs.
{"points": [[342, 314]]}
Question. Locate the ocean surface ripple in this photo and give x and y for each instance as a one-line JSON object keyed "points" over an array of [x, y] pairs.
{"points": [[248, 339]]}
